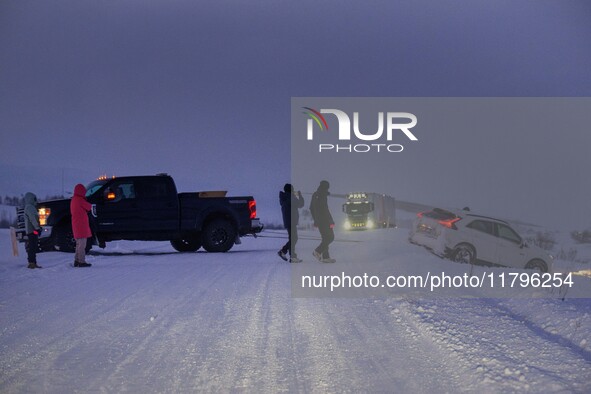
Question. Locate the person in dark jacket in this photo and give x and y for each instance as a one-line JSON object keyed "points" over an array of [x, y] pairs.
{"points": [[32, 228], [79, 209], [291, 201], [323, 220]]}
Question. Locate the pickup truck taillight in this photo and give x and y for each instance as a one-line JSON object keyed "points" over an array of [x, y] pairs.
{"points": [[43, 215], [252, 207]]}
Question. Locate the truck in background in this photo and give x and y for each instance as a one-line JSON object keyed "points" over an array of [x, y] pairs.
{"points": [[369, 210]]}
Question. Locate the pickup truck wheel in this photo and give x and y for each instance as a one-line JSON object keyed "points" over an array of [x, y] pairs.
{"points": [[219, 236], [64, 239], [186, 245]]}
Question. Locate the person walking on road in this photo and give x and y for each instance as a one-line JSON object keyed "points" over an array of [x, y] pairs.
{"points": [[291, 201], [79, 209], [33, 229], [323, 220]]}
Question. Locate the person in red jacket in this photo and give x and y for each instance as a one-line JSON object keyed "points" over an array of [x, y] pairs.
{"points": [[79, 209]]}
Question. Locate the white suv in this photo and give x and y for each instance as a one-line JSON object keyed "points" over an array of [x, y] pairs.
{"points": [[468, 238]]}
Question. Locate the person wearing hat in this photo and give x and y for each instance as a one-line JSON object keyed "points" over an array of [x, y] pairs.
{"points": [[32, 228], [79, 209], [291, 201], [323, 220]]}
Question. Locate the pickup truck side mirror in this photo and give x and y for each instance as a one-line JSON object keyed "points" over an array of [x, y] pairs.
{"points": [[109, 195]]}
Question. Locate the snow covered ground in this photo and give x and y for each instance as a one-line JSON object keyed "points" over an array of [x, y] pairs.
{"points": [[145, 318]]}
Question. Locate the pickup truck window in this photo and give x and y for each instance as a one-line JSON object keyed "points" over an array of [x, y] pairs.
{"points": [[124, 190], [156, 189], [93, 187]]}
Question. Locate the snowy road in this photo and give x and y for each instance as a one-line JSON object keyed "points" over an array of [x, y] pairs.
{"points": [[159, 321]]}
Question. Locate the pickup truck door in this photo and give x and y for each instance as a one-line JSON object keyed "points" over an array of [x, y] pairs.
{"points": [[117, 209], [159, 205]]}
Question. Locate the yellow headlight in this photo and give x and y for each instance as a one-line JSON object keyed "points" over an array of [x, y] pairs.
{"points": [[43, 215]]}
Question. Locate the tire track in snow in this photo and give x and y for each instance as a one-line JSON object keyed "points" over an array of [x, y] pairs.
{"points": [[167, 338], [125, 304], [497, 347], [379, 351], [45, 338], [248, 352]]}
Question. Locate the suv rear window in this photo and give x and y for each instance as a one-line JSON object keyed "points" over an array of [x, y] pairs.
{"points": [[440, 214]]}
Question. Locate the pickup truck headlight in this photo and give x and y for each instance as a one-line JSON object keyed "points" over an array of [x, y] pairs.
{"points": [[43, 215]]}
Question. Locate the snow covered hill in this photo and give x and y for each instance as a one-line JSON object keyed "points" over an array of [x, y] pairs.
{"points": [[145, 318]]}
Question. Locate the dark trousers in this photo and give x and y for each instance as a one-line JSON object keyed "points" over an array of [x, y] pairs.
{"points": [[292, 240], [327, 236], [32, 246]]}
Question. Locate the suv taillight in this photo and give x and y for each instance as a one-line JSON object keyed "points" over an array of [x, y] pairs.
{"points": [[252, 207], [449, 223]]}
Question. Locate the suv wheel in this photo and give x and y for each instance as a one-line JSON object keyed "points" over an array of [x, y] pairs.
{"points": [[464, 253], [537, 265]]}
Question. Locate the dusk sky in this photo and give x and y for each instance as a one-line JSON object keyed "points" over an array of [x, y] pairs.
{"points": [[202, 89]]}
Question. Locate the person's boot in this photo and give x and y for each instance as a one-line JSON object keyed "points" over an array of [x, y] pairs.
{"points": [[80, 265], [33, 266], [283, 255]]}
